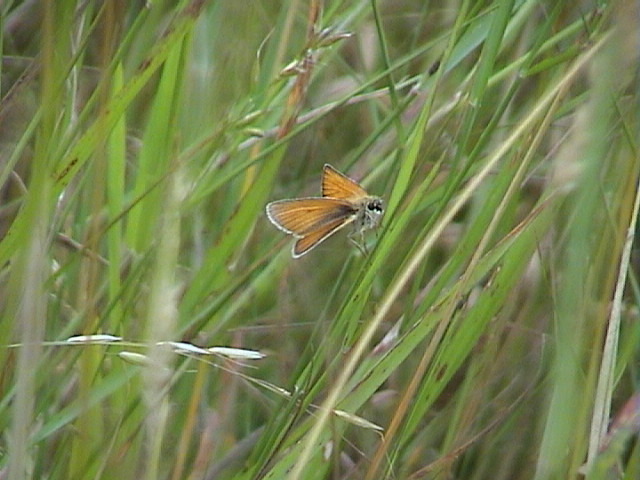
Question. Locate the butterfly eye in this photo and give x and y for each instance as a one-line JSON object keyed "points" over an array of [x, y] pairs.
{"points": [[374, 207]]}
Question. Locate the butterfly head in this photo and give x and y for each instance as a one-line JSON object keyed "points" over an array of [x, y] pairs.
{"points": [[371, 210]]}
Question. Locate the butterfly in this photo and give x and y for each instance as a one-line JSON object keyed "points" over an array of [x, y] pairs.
{"points": [[312, 220]]}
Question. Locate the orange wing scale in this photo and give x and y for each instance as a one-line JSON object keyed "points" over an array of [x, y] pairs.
{"points": [[302, 216], [337, 185], [315, 237]]}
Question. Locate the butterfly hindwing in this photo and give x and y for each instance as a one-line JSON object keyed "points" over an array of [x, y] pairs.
{"points": [[317, 236]]}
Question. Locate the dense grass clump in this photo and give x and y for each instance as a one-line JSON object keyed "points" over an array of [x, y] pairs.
{"points": [[487, 329]]}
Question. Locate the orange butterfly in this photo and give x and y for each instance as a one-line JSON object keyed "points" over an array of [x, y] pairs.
{"points": [[312, 220]]}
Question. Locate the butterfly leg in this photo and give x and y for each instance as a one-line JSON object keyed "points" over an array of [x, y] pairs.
{"points": [[361, 245]]}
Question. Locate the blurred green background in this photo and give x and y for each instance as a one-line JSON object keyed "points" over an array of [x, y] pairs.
{"points": [[490, 332]]}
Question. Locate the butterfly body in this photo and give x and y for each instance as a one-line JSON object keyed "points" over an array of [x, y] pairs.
{"points": [[369, 212], [312, 220]]}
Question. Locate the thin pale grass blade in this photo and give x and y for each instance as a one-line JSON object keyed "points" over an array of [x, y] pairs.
{"points": [[95, 338]]}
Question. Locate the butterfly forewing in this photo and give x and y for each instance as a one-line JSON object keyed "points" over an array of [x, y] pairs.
{"points": [[315, 237], [302, 216], [337, 185]]}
